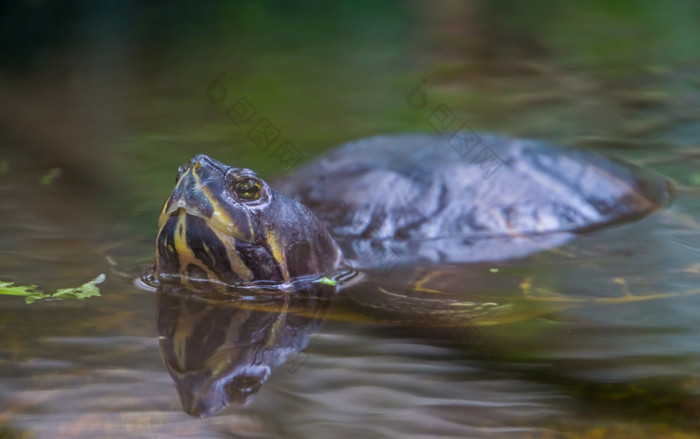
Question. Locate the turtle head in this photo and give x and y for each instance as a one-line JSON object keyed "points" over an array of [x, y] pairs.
{"points": [[226, 224]]}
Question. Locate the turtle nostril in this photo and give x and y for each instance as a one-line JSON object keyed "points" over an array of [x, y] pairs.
{"points": [[181, 171]]}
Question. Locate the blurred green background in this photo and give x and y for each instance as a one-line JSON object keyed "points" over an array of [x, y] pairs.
{"points": [[113, 92]]}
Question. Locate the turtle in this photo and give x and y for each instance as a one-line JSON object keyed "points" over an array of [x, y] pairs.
{"points": [[382, 207], [402, 199]]}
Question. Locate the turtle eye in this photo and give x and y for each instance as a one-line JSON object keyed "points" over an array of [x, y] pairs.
{"points": [[248, 189]]}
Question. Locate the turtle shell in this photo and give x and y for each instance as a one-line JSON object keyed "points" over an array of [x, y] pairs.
{"points": [[407, 198]]}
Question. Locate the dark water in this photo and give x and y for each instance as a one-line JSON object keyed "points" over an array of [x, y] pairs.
{"points": [[101, 104]]}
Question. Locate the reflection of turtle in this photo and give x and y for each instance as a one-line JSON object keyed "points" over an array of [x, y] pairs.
{"points": [[221, 351]]}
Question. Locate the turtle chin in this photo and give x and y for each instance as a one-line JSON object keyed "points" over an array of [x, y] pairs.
{"points": [[167, 259], [188, 248]]}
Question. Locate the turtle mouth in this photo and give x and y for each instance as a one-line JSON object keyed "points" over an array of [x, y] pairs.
{"points": [[213, 218], [212, 221], [181, 206]]}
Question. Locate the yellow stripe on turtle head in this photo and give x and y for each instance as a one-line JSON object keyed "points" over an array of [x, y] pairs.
{"points": [[223, 221], [237, 265], [185, 254], [277, 247]]}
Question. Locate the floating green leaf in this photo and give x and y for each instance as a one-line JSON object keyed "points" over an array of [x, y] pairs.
{"points": [[48, 178], [84, 291], [31, 293], [327, 281]]}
